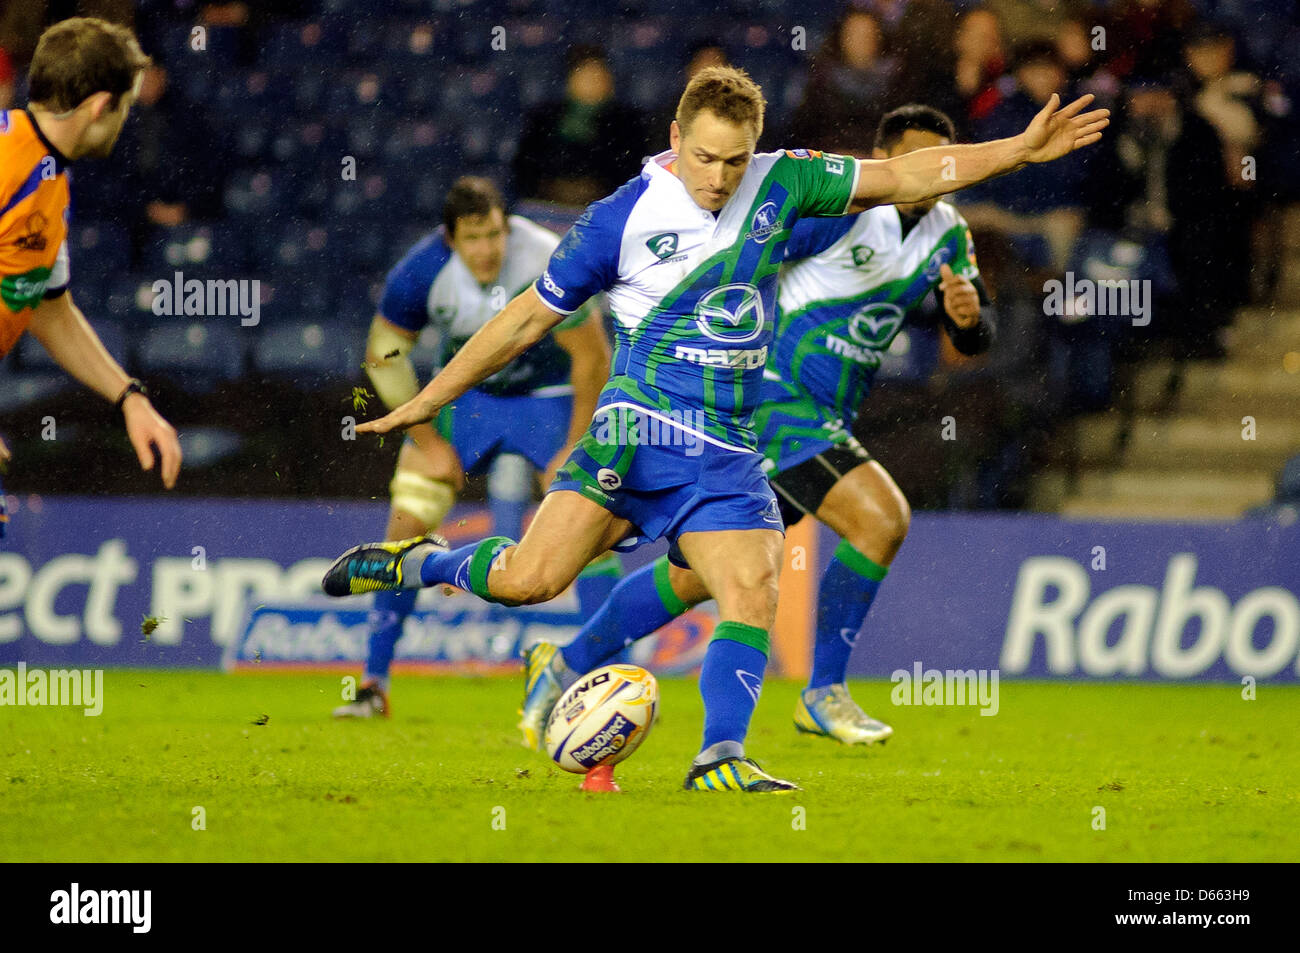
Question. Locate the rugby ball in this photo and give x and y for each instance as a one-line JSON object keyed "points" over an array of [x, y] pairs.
{"points": [[602, 718]]}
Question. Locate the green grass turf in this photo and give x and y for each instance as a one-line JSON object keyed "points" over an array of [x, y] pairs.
{"points": [[1184, 772]]}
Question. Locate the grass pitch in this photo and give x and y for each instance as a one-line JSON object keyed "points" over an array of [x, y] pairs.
{"points": [[1183, 772]]}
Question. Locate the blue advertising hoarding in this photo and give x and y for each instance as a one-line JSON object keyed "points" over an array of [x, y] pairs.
{"points": [[1029, 595]]}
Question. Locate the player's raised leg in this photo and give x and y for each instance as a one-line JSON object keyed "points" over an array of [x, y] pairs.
{"points": [[740, 568]]}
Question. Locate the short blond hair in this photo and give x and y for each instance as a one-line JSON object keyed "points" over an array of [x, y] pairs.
{"points": [[727, 92]]}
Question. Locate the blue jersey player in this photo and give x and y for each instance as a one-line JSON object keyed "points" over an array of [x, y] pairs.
{"points": [[688, 254], [453, 281], [847, 287]]}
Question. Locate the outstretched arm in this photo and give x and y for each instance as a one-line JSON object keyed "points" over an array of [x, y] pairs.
{"points": [[925, 173], [67, 335], [521, 324]]}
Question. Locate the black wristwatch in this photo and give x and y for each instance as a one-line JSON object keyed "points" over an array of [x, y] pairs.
{"points": [[134, 386]]}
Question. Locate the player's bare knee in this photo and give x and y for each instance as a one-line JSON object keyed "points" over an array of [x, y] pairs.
{"points": [[895, 521], [755, 578], [751, 594]]}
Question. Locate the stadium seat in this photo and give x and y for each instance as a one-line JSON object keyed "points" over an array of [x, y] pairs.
{"points": [[257, 193], [300, 247], [252, 139], [366, 248], [305, 295], [411, 45], [483, 93], [192, 248], [305, 143], [356, 297], [98, 250], [310, 352], [365, 41], [420, 144], [420, 93], [303, 42], [23, 390], [203, 447], [197, 353], [128, 298], [308, 88], [420, 190], [363, 136], [368, 197], [364, 94]]}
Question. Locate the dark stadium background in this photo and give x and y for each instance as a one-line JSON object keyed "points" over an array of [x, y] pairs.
{"points": [[234, 171]]}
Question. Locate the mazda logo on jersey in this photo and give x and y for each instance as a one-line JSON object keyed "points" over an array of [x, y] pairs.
{"points": [[731, 313], [663, 246], [875, 325]]}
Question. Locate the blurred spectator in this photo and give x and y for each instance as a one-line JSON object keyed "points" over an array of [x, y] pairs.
{"points": [[6, 80], [1178, 187], [1225, 98], [22, 21], [583, 148], [849, 88], [1230, 102], [706, 52], [1040, 199], [914, 28], [1027, 21], [168, 164], [964, 83], [1144, 37], [1080, 44]]}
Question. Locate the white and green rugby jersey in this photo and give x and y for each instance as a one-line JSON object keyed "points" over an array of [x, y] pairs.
{"points": [[432, 286], [846, 289], [693, 293]]}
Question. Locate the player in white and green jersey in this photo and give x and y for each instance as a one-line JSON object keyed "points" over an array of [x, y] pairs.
{"points": [[847, 287], [688, 254]]}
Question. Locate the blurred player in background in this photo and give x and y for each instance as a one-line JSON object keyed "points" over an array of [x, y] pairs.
{"points": [[847, 287], [689, 253], [531, 412], [84, 77]]}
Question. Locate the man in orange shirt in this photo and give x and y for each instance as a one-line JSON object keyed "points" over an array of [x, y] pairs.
{"points": [[84, 77]]}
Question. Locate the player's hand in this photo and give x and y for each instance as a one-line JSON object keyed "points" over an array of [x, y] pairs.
{"points": [[414, 411], [148, 432], [961, 300], [5, 455], [1056, 132], [439, 458]]}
